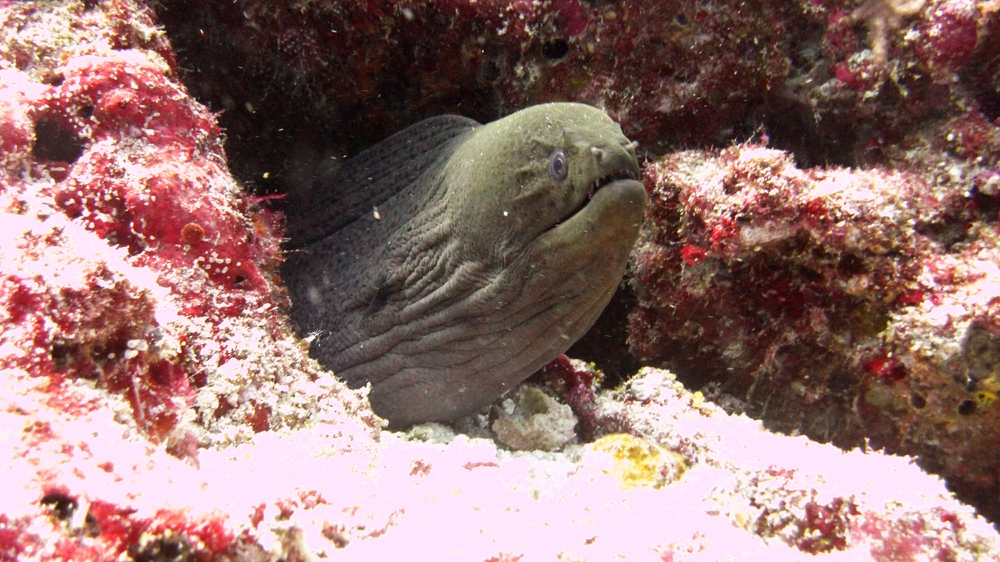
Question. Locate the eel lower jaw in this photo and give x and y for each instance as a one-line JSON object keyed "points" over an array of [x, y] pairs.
{"points": [[606, 225], [610, 180]]}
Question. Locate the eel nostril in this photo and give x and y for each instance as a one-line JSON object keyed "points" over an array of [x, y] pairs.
{"points": [[599, 153]]}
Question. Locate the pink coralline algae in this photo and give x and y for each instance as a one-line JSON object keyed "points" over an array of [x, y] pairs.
{"points": [[131, 261], [851, 306], [157, 406], [757, 489], [715, 485]]}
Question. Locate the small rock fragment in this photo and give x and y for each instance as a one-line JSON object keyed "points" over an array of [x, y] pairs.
{"points": [[536, 421]]}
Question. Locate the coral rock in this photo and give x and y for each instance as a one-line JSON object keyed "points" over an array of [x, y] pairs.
{"points": [[131, 259], [157, 406], [532, 420], [851, 306]]}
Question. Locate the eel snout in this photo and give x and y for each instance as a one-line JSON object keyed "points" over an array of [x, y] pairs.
{"points": [[615, 163]]}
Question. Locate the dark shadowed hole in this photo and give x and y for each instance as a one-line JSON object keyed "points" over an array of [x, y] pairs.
{"points": [[62, 353], [55, 142], [62, 506], [791, 125], [986, 204], [54, 79], [918, 401], [302, 106], [948, 229], [489, 72], [982, 75], [989, 98], [605, 344], [163, 549], [851, 264], [555, 50], [967, 408]]}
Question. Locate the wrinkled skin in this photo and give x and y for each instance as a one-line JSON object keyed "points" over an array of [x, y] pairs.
{"points": [[464, 265]]}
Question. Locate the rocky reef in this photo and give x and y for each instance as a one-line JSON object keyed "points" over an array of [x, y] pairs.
{"points": [[132, 261], [821, 254], [830, 302]]}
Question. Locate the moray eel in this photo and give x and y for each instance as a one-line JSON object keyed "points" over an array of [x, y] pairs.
{"points": [[449, 262]]}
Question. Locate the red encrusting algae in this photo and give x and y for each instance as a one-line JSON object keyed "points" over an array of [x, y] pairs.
{"points": [[157, 405]]}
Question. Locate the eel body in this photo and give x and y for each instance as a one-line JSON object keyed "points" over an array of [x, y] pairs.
{"points": [[449, 262]]}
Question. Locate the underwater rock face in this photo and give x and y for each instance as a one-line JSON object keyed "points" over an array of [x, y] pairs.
{"points": [[155, 404], [851, 306], [370, 68], [132, 262], [300, 81]]}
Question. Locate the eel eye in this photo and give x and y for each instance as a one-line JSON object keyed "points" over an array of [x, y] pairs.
{"points": [[558, 166]]}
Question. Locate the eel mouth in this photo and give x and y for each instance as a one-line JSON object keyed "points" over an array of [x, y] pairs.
{"points": [[621, 174], [607, 179], [613, 178], [605, 222]]}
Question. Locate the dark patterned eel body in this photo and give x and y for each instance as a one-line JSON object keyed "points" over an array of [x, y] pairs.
{"points": [[449, 262]]}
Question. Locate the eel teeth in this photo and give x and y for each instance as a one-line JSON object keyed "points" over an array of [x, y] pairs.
{"points": [[612, 177]]}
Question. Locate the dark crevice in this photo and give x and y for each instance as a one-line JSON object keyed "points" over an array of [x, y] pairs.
{"points": [[55, 142], [289, 98], [605, 344], [62, 506], [174, 548], [555, 50]]}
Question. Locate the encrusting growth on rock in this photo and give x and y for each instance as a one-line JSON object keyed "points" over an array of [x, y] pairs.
{"points": [[837, 278], [884, 17]]}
